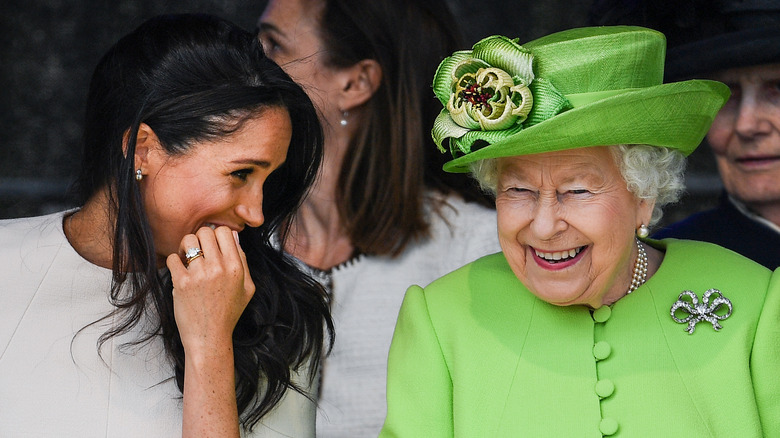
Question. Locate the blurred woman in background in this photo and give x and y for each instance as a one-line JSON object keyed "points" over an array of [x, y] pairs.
{"points": [[382, 214]]}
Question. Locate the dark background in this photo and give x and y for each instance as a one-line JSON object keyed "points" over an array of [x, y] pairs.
{"points": [[49, 48]]}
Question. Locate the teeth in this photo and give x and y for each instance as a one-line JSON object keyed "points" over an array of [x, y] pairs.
{"points": [[212, 226], [560, 255]]}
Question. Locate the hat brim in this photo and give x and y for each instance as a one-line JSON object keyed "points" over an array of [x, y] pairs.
{"points": [[675, 115], [731, 50]]}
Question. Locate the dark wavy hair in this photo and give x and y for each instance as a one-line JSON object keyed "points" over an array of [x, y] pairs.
{"points": [[193, 78], [392, 161]]}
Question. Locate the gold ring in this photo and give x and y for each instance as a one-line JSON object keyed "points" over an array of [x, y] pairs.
{"points": [[192, 254]]}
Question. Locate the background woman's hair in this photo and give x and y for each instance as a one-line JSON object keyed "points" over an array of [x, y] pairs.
{"points": [[193, 78], [392, 161], [650, 172]]}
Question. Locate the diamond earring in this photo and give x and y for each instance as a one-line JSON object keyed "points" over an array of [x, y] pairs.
{"points": [[344, 116], [138, 175]]}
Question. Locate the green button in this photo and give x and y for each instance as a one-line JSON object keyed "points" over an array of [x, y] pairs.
{"points": [[608, 426], [604, 388], [602, 350], [602, 314]]}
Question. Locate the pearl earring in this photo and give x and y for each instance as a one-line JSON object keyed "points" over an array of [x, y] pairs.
{"points": [[138, 175], [344, 116], [643, 231]]}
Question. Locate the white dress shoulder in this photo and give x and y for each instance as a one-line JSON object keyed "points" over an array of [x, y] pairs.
{"points": [[53, 382]]}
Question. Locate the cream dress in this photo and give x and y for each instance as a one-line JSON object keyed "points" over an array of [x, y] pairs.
{"points": [[53, 383]]}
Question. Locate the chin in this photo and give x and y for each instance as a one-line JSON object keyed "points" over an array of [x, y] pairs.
{"points": [[558, 296]]}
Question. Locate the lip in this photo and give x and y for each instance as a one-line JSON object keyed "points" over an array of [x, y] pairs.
{"points": [[557, 266], [757, 162]]}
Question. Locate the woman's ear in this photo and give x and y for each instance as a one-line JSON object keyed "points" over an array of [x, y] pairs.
{"points": [[645, 211], [360, 83], [145, 141]]}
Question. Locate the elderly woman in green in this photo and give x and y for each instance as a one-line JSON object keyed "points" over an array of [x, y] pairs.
{"points": [[582, 326]]}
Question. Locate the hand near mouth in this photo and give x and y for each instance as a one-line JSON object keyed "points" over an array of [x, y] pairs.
{"points": [[210, 293]]}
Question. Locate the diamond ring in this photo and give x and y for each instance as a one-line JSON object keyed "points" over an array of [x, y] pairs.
{"points": [[192, 254]]}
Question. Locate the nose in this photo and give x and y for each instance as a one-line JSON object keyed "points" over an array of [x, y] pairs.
{"points": [[250, 208], [547, 220], [752, 118]]}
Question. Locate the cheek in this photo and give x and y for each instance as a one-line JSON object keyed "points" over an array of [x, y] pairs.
{"points": [[298, 71], [182, 204], [510, 219], [721, 130], [601, 222], [311, 75], [510, 223]]}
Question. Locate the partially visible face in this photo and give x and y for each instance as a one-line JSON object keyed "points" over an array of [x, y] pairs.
{"points": [[290, 34], [745, 135], [215, 182], [566, 224]]}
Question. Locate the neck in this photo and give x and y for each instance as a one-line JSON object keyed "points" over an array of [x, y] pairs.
{"points": [[317, 237], [654, 259], [318, 234], [90, 232]]}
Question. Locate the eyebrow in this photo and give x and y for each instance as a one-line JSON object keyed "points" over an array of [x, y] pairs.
{"points": [[582, 171], [265, 27], [259, 163]]}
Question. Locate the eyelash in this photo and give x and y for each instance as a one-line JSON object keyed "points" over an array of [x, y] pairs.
{"points": [[242, 174], [269, 44], [574, 191]]}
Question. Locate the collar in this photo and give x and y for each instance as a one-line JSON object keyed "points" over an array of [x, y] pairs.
{"points": [[739, 205]]}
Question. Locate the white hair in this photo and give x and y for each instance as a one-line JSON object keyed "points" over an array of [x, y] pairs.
{"points": [[650, 172]]}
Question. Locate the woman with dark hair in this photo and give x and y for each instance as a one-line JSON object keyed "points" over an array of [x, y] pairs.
{"points": [[139, 313], [382, 215]]}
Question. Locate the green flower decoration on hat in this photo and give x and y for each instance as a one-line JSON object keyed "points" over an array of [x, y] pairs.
{"points": [[490, 93], [589, 86]]}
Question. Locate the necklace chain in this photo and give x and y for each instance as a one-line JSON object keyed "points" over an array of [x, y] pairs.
{"points": [[640, 268]]}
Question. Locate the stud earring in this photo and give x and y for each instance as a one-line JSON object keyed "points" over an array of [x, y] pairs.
{"points": [[344, 116], [138, 175], [643, 231]]}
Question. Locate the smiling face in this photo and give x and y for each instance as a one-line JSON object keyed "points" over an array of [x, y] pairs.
{"points": [[214, 183], [745, 135], [566, 224]]}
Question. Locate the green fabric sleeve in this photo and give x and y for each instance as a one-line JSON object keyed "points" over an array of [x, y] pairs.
{"points": [[419, 388], [765, 361]]}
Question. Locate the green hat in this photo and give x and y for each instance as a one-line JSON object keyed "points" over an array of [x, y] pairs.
{"points": [[583, 87]]}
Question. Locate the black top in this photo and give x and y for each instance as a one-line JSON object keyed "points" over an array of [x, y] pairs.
{"points": [[728, 227]]}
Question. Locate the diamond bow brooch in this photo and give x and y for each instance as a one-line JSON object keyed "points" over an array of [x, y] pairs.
{"points": [[712, 301]]}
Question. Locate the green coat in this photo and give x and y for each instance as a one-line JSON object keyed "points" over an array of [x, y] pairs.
{"points": [[475, 354]]}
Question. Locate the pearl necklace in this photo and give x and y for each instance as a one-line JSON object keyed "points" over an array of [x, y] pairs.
{"points": [[640, 268]]}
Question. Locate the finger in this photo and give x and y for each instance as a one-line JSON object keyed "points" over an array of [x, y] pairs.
{"points": [[249, 285], [176, 266], [208, 244], [227, 245], [188, 244]]}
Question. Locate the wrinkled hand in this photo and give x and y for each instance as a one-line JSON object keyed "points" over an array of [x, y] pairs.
{"points": [[211, 293]]}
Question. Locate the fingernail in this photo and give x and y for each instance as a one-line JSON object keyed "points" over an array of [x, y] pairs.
{"points": [[235, 236]]}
